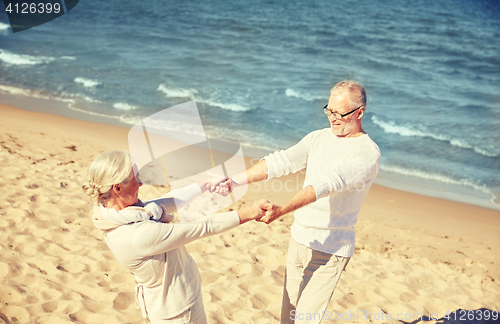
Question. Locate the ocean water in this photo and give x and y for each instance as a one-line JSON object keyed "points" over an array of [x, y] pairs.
{"points": [[260, 73]]}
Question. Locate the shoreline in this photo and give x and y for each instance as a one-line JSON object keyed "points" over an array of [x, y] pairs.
{"points": [[384, 178], [414, 254]]}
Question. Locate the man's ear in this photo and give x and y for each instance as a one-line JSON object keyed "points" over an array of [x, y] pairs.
{"points": [[361, 112]]}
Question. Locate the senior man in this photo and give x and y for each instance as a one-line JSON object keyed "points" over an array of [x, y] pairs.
{"points": [[341, 163]]}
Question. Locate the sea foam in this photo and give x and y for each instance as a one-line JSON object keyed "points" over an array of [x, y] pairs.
{"points": [[193, 94], [4, 26], [87, 82], [406, 130], [176, 92], [436, 177], [70, 98], [33, 93], [124, 106], [304, 96], [22, 59]]}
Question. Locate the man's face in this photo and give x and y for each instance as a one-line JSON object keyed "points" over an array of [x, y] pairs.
{"points": [[348, 125]]}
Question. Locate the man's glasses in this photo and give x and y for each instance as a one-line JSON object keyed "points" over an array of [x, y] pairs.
{"points": [[337, 115]]}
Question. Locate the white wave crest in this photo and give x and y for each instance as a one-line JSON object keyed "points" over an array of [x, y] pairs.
{"points": [[72, 107], [162, 124], [293, 93], [495, 199], [233, 107], [436, 177], [463, 144], [193, 95], [177, 93], [4, 26], [406, 130], [22, 59], [33, 93], [63, 97], [124, 106], [87, 82], [15, 91]]}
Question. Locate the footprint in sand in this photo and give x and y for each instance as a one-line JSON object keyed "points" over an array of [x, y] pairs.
{"points": [[121, 278], [30, 299], [95, 306], [241, 303], [407, 297], [14, 314], [54, 249], [240, 269], [71, 267], [124, 300], [50, 307], [200, 246], [208, 277], [10, 295], [221, 294], [4, 269], [51, 294], [261, 300]]}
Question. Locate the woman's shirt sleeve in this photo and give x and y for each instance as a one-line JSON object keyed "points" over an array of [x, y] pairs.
{"points": [[178, 198], [151, 238]]}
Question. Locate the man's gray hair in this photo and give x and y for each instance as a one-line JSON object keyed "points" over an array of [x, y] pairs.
{"points": [[357, 94]]}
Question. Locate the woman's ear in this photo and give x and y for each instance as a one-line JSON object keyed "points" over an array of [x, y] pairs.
{"points": [[116, 188]]}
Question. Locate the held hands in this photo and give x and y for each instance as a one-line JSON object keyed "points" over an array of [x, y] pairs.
{"points": [[273, 212], [257, 209], [261, 211], [215, 181], [223, 187], [252, 212]]}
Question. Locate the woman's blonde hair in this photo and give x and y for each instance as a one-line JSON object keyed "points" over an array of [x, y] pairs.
{"points": [[109, 168]]}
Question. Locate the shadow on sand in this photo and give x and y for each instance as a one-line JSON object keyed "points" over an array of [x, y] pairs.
{"points": [[462, 316]]}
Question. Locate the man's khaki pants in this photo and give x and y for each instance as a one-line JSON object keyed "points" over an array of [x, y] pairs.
{"points": [[310, 279]]}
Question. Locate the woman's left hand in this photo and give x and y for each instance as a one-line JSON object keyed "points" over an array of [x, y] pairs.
{"points": [[212, 182]]}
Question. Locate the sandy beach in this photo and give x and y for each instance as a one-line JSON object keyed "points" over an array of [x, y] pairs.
{"points": [[414, 254]]}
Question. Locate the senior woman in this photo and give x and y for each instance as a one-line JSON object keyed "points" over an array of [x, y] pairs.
{"points": [[142, 239]]}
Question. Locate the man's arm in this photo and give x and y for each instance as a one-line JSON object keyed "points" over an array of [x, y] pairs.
{"points": [[276, 164], [255, 173], [301, 199]]}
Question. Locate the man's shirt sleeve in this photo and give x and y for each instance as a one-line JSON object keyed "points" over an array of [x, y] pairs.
{"points": [[291, 160]]}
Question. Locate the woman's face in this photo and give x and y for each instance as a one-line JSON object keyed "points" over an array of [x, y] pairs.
{"points": [[130, 191]]}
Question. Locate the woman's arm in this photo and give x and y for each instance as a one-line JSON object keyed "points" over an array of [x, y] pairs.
{"points": [[153, 238], [178, 198]]}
